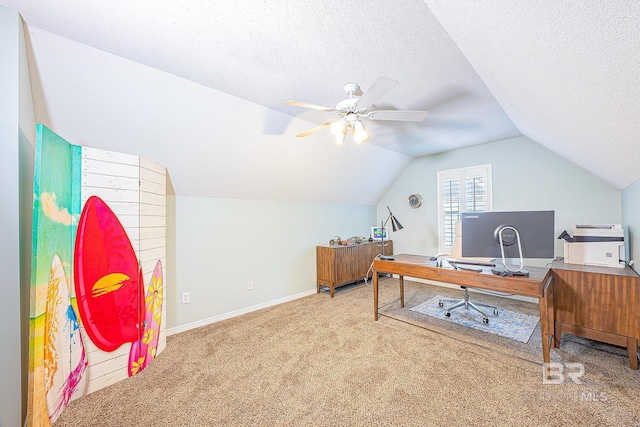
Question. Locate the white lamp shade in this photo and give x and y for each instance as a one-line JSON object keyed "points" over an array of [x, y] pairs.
{"points": [[360, 134]]}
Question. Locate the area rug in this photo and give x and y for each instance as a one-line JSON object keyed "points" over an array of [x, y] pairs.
{"points": [[507, 324]]}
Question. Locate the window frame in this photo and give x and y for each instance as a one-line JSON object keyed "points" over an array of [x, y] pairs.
{"points": [[462, 174]]}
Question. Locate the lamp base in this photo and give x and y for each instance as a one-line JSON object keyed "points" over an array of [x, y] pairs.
{"points": [[387, 258]]}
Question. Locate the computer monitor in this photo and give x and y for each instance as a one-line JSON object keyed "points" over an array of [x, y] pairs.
{"points": [[482, 233]]}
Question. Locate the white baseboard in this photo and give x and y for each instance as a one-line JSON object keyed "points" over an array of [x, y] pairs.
{"points": [[240, 312]]}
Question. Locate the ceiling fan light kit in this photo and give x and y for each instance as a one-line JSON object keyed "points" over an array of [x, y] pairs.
{"points": [[350, 111]]}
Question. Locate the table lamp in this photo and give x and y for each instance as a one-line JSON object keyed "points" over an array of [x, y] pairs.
{"points": [[395, 225]]}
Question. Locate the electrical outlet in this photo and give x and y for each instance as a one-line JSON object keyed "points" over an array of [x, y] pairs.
{"points": [[186, 297], [250, 285]]}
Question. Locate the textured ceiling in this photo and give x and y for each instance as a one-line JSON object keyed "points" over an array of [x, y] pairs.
{"points": [[565, 74]]}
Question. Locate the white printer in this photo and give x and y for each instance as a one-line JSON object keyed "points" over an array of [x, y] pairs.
{"points": [[601, 245]]}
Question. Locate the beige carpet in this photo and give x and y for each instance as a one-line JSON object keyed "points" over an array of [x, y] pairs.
{"points": [[319, 361]]}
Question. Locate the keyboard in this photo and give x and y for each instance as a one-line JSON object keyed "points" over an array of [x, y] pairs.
{"points": [[471, 262]]}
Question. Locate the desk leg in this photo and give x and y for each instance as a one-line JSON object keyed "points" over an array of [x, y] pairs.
{"points": [[547, 321], [375, 295], [544, 328], [401, 280]]}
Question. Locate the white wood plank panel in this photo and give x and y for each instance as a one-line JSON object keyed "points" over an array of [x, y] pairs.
{"points": [[109, 156], [153, 176], [152, 232], [110, 181], [106, 380], [152, 199], [112, 169], [108, 365], [153, 210], [113, 194], [152, 187], [153, 243], [152, 254], [153, 221]]}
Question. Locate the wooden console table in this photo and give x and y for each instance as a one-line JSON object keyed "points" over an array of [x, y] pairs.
{"points": [[339, 265], [538, 284], [599, 303]]}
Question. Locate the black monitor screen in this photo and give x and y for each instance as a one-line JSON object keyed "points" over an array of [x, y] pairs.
{"points": [[480, 234]]}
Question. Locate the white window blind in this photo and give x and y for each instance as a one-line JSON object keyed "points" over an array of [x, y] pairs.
{"points": [[461, 190]]}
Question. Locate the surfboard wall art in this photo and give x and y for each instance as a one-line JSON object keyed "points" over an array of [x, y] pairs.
{"points": [[108, 289], [99, 230], [145, 349], [65, 360]]}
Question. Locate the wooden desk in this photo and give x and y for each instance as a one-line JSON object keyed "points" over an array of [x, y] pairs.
{"points": [[599, 303], [539, 284]]}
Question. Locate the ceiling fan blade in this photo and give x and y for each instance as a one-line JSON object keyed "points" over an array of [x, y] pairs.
{"points": [[315, 129], [400, 115], [307, 105], [377, 91]]}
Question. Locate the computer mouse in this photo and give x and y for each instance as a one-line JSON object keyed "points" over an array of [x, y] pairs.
{"points": [[433, 258]]}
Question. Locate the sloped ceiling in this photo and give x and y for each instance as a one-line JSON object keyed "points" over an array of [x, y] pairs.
{"points": [[199, 85]]}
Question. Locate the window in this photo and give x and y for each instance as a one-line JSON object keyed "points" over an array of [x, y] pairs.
{"points": [[461, 190]]}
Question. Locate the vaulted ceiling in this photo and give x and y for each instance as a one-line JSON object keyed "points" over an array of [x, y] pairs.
{"points": [[199, 85]]}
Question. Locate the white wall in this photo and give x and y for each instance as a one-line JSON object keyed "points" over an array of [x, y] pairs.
{"points": [[16, 171], [215, 246], [526, 176], [27, 137], [631, 220]]}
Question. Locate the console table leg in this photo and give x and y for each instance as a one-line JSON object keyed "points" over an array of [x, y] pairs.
{"points": [[401, 280], [557, 334], [632, 348], [375, 295]]}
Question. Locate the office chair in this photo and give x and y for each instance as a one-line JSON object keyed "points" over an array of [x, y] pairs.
{"points": [[456, 253]]}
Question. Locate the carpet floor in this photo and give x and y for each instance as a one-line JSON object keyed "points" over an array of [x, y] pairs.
{"points": [[318, 361]]}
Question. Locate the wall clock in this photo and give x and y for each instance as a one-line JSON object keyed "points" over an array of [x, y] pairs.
{"points": [[415, 200]]}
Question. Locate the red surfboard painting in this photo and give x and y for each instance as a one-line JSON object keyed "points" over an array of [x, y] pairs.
{"points": [[109, 286]]}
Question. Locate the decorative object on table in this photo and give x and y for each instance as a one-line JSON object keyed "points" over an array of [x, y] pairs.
{"points": [[346, 116], [415, 201], [337, 240], [395, 226], [509, 324]]}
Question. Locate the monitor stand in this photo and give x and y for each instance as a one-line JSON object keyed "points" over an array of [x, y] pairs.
{"points": [[506, 271]]}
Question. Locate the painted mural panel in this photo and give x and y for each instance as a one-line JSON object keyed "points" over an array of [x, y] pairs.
{"points": [[105, 322], [55, 215]]}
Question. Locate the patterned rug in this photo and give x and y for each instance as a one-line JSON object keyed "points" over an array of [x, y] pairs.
{"points": [[508, 324]]}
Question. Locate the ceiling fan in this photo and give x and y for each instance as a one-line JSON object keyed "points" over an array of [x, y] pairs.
{"points": [[352, 110]]}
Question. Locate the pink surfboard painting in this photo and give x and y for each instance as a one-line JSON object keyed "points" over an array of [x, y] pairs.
{"points": [[144, 351]]}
